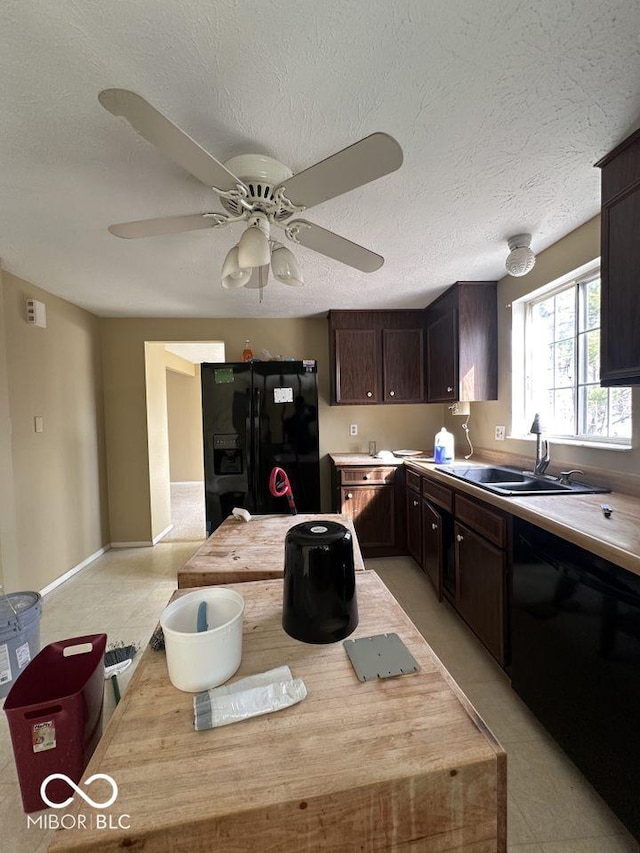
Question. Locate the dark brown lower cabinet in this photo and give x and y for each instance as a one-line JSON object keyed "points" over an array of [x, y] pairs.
{"points": [[414, 525], [374, 497], [480, 588], [372, 509], [432, 545], [463, 546]]}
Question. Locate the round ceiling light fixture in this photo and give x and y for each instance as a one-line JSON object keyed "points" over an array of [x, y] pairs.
{"points": [[521, 259]]}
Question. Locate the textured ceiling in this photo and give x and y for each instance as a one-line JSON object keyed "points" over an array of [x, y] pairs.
{"points": [[501, 109]]}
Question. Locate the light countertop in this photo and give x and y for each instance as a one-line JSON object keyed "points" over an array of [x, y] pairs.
{"points": [[576, 518], [350, 459]]}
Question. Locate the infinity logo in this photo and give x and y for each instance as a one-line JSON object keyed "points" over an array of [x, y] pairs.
{"points": [[105, 805]]}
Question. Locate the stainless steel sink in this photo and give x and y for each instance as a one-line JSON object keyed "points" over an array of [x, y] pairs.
{"points": [[511, 482]]}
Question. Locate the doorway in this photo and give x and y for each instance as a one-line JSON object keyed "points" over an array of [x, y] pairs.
{"points": [[175, 440]]}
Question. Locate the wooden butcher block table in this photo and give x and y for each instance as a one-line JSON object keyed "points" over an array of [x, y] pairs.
{"points": [[399, 764], [251, 551]]}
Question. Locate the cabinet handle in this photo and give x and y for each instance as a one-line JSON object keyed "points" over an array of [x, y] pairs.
{"points": [[369, 393], [366, 477], [415, 503], [449, 388], [392, 393], [349, 495], [459, 538], [434, 526]]}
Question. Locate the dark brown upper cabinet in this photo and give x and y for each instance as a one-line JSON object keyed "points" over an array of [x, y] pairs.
{"points": [[620, 264], [461, 343], [376, 357]]}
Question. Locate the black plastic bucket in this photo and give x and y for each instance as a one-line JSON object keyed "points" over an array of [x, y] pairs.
{"points": [[319, 596]]}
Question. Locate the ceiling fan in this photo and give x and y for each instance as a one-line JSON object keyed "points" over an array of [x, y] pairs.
{"points": [[260, 192]]}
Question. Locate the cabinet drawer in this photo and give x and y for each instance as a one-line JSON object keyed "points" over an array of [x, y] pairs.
{"points": [[440, 495], [353, 476], [488, 522], [413, 481]]}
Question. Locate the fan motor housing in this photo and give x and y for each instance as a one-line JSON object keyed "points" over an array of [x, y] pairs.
{"points": [[261, 175]]}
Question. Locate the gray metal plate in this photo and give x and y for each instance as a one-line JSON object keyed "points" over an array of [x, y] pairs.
{"points": [[381, 656]]}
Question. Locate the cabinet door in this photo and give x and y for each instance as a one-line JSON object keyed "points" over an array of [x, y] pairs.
{"points": [[402, 365], [358, 368], [372, 510], [480, 582], [442, 358], [620, 297], [414, 526], [432, 546]]}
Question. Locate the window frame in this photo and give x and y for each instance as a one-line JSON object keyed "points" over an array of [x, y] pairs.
{"points": [[522, 309]]}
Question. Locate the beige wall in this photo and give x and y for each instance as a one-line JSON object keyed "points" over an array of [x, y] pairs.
{"points": [[8, 540], [574, 250], [57, 504], [125, 404], [184, 408]]}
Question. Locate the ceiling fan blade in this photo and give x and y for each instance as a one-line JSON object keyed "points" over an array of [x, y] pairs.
{"points": [[333, 246], [165, 225], [360, 163], [259, 278], [168, 138]]}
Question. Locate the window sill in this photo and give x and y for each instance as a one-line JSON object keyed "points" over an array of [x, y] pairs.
{"points": [[571, 442]]}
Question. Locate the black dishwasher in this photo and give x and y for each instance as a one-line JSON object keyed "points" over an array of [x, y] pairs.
{"points": [[575, 635]]}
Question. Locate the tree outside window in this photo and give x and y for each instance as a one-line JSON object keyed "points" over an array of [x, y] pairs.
{"points": [[562, 366]]}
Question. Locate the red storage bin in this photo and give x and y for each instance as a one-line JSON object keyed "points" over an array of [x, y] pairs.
{"points": [[55, 716]]}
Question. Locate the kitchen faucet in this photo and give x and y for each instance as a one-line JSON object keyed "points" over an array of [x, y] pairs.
{"points": [[542, 447]]}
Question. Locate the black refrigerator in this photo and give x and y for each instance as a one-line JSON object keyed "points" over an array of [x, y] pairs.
{"points": [[256, 416]]}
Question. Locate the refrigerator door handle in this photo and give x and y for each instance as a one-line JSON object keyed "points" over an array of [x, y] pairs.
{"points": [[256, 439], [248, 449]]}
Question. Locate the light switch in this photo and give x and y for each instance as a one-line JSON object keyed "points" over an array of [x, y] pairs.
{"points": [[38, 423]]}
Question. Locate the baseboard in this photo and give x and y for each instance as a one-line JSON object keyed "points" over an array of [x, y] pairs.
{"points": [[148, 543], [74, 571], [157, 538]]}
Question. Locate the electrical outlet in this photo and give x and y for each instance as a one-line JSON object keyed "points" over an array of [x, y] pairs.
{"points": [[353, 430], [500, 433]]}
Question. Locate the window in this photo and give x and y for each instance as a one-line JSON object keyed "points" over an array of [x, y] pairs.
{"points": [[560, 358]]}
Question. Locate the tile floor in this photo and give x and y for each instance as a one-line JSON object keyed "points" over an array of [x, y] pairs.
{"points": [[552, 809]]}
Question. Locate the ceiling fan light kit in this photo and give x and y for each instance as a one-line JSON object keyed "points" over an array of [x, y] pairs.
{"points": [[285, 267], [264, 194], [521, 259], [253, 248], [232, 274]]}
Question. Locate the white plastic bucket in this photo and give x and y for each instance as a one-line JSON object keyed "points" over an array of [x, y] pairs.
{"points": [[19, 635], [200, 660]]}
